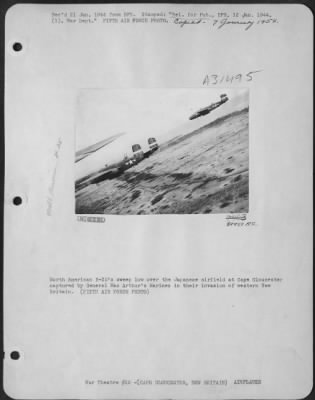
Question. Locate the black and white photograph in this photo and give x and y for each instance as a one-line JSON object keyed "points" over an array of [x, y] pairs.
{"points": [[162, 151]]}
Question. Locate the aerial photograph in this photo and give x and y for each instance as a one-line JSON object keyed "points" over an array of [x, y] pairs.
{"points": [[162, 151]]}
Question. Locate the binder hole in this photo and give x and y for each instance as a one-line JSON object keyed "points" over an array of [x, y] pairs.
{"points": [[15, 355], [17, 200], [17, 46]]}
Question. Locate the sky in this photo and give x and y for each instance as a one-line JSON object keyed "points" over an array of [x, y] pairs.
{"points": [[142, 113]]}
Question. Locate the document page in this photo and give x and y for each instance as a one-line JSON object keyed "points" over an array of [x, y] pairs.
{"points": [[158, 201]]}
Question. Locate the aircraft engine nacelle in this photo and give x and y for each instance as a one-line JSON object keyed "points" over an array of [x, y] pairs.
{"points": [[153, 144], [137, 152]]}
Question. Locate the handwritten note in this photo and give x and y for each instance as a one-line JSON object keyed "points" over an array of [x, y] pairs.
{"points": [[53, 178], [217, 78]]}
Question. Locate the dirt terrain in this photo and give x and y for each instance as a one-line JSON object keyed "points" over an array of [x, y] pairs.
{"points": [[205, 171]]}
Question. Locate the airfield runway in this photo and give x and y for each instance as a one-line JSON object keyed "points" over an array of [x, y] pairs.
{"points": [[205, 171]]}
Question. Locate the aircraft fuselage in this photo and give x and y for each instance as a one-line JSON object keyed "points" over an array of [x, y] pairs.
{"points": [[208, 109]]}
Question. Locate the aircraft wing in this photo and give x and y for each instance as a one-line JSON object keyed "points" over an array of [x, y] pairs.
{"points": [[79, 155]]}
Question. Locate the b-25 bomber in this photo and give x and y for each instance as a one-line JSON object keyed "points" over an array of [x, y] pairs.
{"points": [[211, 107], [131, 156]]}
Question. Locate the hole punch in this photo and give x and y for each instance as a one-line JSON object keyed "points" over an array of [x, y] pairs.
{"points": [[17, 200], [15, 355], [17, 46]]}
